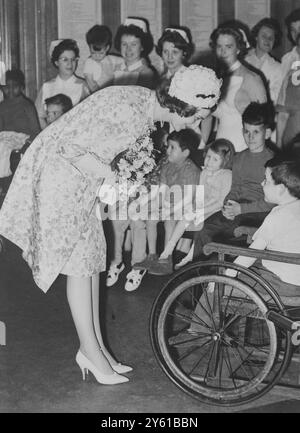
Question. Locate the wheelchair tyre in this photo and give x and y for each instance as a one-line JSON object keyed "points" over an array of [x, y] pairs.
{"points": [[212, 359]]}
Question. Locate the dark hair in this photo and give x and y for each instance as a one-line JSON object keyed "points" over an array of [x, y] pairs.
{"points": [[98, 37], [60, 99], [145, 38], [178, 41], [285, 169], [270, 23], [174, 104], [235, 33], [15, 75], [224, 148], [64, 45], [292, 18], [187, 139], [258, 114]]}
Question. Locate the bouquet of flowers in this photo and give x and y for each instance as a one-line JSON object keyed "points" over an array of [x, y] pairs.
{"points": [[9, 141], [133, 165]]}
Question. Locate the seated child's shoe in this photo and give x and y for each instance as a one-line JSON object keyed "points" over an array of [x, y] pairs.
{"points": [[146, 263], [161, 267], [178, 256], [113, 274], [134, 279]]}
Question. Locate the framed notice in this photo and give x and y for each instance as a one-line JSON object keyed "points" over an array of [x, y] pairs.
{"points": [[152, 11], [252, 11], [75, 18], [201, 17]]}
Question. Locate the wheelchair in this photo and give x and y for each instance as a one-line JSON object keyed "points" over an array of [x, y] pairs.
{"points": [[222, 340]]}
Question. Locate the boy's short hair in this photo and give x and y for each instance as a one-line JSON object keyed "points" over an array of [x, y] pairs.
{"points": [[187, 139], [99, 36], [60, 99], [15, 75], [285, 169], [258, 114]]}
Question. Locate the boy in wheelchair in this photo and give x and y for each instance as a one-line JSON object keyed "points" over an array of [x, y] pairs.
{"points": [[280, 230]]}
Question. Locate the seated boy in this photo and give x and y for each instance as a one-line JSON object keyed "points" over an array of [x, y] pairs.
{"points": [[17, 112], [56, 106], [178, 171], [280, 230], [245, 204]]}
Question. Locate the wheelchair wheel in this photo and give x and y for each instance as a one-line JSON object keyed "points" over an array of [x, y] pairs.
{"points": [[201, 334]]}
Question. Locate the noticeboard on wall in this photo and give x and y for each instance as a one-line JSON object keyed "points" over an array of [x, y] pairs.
{"points": [[201, 17], [75, 18], [252, 11]]}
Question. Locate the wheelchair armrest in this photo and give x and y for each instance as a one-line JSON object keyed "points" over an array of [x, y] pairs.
{"points": [[244, 230], [277, 256]]}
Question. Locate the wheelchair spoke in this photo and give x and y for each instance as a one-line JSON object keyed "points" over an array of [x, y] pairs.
{"points": [[216, 345]]}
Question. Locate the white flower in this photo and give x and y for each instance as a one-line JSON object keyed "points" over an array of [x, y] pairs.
{"points": [[197, 86]]}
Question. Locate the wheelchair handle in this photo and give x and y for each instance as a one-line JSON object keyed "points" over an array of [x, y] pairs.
{"points": [[277, 256]]}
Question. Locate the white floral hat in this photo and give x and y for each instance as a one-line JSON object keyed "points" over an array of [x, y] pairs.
{"points": [[197, 86]]}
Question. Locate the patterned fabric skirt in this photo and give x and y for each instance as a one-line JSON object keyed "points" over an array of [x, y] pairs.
{"points": [[89, 255]]}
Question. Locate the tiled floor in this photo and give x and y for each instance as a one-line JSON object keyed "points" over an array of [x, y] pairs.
{"points": [[37, 367]]}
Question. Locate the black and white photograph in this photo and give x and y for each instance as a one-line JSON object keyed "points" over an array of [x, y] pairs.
{"points": [[149, 209]]}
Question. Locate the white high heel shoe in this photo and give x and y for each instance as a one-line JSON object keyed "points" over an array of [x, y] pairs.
{"points": [[121, 369], [106, 379]]}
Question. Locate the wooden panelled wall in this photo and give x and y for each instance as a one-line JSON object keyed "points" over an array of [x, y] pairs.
{"points": [[28, 27]]}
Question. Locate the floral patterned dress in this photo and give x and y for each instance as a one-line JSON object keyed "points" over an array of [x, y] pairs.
{"points": [[49, 211]]}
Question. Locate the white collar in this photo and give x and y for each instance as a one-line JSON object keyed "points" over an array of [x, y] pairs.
{"points": [[294, 53], [235, 66], [133, 67], [68, 80], [169, 75]]}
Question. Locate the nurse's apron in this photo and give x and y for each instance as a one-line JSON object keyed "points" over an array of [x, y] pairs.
{"points": [[230, 124]]}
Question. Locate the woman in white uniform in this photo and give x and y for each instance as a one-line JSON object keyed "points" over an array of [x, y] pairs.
{"points": [[64, 58], [266, 35], [240, 87]]}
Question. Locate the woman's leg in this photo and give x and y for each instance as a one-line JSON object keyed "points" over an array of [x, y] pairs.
{"points": [[96, 318], [79, 294]]}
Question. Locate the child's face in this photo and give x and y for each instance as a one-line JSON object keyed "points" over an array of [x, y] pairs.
{"points": [[53, 112], [12, 89], [255, 137], [212, 161], [175, 153], [98, 55], [272, 191]]}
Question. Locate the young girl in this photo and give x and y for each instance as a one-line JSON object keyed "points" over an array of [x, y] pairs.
{"points": [[99, 68], [216, 179]]}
